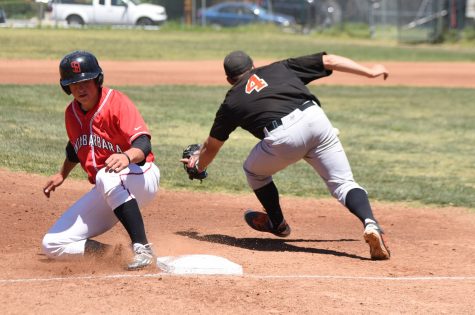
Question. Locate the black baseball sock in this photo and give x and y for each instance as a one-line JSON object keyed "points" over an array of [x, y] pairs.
{"points": [[269, 198], [358, 203], [129, 215]]}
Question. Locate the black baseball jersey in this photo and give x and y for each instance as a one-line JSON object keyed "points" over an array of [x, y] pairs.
{"points": [[267, 93]]}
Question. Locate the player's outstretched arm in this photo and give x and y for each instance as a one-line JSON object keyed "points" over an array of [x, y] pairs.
{"points": [[207, 153], [58, 178], [343, 64]]}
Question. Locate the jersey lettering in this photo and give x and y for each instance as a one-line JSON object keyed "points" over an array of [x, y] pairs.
{"points": [[255, 84], [96, 141]]}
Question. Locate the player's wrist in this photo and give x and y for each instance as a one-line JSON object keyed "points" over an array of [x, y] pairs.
{"points": [[198, 168], [127, 156]]}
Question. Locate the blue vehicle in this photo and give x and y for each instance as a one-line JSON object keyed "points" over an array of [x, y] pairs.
{"points": [[239, 13], [3, 16]]}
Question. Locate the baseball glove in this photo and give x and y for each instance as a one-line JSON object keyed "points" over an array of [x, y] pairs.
{"points": [[192, 152]]}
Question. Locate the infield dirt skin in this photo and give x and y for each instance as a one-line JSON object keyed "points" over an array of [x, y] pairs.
{"points": [[210, 72], [322, 267]]}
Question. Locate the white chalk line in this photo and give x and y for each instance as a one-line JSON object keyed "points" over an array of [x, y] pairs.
{"points": [[245, 276]]}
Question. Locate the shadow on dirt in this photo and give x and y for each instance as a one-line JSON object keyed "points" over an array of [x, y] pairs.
{"points": [[270, 244]]}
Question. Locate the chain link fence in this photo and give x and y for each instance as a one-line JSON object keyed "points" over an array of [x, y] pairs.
{"points": [[403, 20], [421, 20], [406, 20]]}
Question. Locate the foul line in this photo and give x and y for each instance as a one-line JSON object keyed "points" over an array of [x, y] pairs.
{"points": [[249, 276]]}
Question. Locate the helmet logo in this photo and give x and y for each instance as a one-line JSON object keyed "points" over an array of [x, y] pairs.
{"points": [[76, 66]]}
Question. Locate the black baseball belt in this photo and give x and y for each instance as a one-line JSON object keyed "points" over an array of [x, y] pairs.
{"points": [[278, 122]]}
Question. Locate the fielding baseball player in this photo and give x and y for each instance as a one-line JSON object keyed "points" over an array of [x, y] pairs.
{"points": [[109, 138], [273, 103]]}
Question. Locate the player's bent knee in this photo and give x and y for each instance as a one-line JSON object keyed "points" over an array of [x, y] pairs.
{"points": [[58, 247], [256, 181], [340, 190], [51, 248]]}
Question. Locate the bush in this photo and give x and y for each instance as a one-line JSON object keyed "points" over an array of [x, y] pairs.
{"points": [[469, 33], [20, 9]]}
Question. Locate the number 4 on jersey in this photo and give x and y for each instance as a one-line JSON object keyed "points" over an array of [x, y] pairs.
{"points": [[255, 84]]}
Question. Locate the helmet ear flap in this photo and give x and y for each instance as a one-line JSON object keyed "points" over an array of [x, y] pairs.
{"points": [[100, 79], [66, 89]]}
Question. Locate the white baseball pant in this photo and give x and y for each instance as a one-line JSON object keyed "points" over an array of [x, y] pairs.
{"points": [[307, 135], [93, 214]]}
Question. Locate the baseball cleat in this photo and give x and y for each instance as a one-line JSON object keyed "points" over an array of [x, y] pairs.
{"points": [[143, 257], [374, 237], [260, 221]]}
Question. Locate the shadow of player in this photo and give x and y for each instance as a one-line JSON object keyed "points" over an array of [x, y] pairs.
{"points": [[270, 244]]}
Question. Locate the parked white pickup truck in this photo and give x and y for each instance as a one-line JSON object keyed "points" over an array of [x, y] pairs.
{"points": [[107, 12]]}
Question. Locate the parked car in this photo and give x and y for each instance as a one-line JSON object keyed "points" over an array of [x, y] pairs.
{"points": [[308, 13], [107, 12], [238, 13], [3, 16]]}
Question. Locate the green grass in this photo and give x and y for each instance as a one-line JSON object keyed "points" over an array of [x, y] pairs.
{"points": [[404, 144], [174, 43]]}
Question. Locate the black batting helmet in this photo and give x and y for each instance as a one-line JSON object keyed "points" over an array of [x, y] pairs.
{"points": [[79, 66]]}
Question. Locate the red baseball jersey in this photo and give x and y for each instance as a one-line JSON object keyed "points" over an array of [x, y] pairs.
{"points": [[110, 127]]}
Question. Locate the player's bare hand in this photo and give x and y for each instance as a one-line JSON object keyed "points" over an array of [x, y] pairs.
{"points": [[116, 163], [378, 70], [53, 182], [191, 161]]}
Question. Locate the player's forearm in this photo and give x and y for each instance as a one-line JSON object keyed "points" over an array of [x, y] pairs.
{"points": [[135, 155], [67, 167], [342, 64], [208, 152], [142, 143]]}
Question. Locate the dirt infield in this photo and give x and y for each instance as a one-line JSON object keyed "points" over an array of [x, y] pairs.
{"points": [[323, 267], [440, 74]]}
